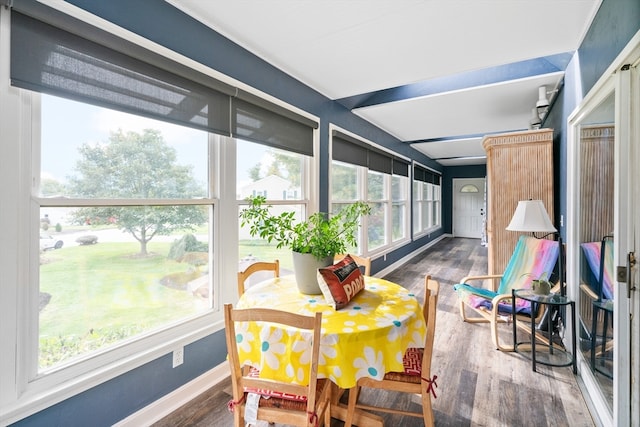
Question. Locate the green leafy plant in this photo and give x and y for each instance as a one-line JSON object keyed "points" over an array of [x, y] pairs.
{"points": [[321, 235], [542, 285]]}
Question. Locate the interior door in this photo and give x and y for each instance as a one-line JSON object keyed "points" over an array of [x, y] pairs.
{"points": [[468, 207]]}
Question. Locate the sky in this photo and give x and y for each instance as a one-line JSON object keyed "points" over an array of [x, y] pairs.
{"points": [[66, 125]]}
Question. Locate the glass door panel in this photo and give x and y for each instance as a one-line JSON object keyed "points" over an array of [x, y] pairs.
{"points": [[596, 133]]}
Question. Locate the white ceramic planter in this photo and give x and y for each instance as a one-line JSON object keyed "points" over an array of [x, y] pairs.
{"points": [[305, 268]]}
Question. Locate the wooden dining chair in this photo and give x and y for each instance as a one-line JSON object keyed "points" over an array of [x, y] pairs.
{"points": [[416, 378], [364, 262], [254, 268], [281, 401]]}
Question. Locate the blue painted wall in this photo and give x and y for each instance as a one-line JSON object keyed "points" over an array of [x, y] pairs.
{"points": [[114, 400], [450, 173], [616, 22]]}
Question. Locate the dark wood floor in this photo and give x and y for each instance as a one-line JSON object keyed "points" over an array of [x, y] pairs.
{"points": [[477, 384]]}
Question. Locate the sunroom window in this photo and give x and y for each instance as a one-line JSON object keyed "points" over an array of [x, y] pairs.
{"points": [[362, 171], [278, 175], [427, 203], [117, 196]]}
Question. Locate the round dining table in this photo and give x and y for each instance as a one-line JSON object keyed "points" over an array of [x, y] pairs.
{"points": [[366, 338]]}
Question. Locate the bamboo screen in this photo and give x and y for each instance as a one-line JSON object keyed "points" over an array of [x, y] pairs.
{"points": [[596, 182], [519, 167]]}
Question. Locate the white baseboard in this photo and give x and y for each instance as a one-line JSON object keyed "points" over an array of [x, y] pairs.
{"points": [[172, 401]]}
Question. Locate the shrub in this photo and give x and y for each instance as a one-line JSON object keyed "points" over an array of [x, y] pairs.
{"points": [[187, 243]]}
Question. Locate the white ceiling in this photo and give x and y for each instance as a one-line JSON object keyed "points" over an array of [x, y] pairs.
{"points": [[481, 61]]}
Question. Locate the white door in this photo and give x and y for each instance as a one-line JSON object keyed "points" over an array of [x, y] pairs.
{"points": [[610, 369], [468, 207]]}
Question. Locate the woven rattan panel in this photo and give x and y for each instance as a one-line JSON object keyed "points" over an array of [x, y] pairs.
{"points": [[519, 167], [596, 182]]}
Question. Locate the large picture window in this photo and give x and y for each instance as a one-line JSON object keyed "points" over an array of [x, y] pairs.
{"points": [[124, 249]]}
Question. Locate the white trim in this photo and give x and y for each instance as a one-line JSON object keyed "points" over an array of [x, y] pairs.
{"points": [[170, 402]]}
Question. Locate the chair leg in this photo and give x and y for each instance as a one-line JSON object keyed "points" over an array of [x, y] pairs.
{"points": [[351, 408], [238, 417], [462, 311], [496, 339], [327, 409], [427, 410]]}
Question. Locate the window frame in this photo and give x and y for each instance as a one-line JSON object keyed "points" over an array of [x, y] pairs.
{"points": [[363, 194], [431, 205]]}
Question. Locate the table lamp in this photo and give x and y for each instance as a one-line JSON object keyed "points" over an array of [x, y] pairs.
{"points": [[531, 216]]}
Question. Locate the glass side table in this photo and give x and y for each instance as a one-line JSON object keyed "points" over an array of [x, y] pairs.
{"points": [[601, 363], [555, 356]]}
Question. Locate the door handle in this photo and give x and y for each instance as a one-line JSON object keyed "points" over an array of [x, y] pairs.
{"points": [[631, 262]]}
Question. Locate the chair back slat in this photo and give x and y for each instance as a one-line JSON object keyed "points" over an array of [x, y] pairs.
{"points": [[363, 262], [244, 275]]}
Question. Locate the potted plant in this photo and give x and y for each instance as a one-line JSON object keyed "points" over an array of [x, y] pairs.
{"points": [[313, 242], [541, 286]]}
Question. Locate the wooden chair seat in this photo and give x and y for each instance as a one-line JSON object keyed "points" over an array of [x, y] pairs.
{"points": [[277, 399], [276, 395]]}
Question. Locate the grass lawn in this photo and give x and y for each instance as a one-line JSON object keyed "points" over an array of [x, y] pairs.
{"points": [[266, 252], [106, 292]]}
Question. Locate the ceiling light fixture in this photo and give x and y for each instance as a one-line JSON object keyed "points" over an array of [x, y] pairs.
{"points": [[542, 106], [535, 122]]}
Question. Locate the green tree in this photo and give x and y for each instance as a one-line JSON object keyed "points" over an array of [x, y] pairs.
{"points": [[291, 164], [136, 166], [51, 187], [254, 172], [283, 165]]}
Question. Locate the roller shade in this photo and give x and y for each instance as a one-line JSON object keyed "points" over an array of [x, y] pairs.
{"points": [[255, 123], [350, 150], [425, 175], [50, 60], [56, 54]]}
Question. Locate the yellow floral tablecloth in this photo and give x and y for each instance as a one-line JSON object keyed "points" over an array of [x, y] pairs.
{"points": [[367, 338]]}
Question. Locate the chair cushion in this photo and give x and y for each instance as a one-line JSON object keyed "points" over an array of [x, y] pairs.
{"points": [[340, 282], [275, 398], [592, 252], [412, 361], [255, 373]]}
